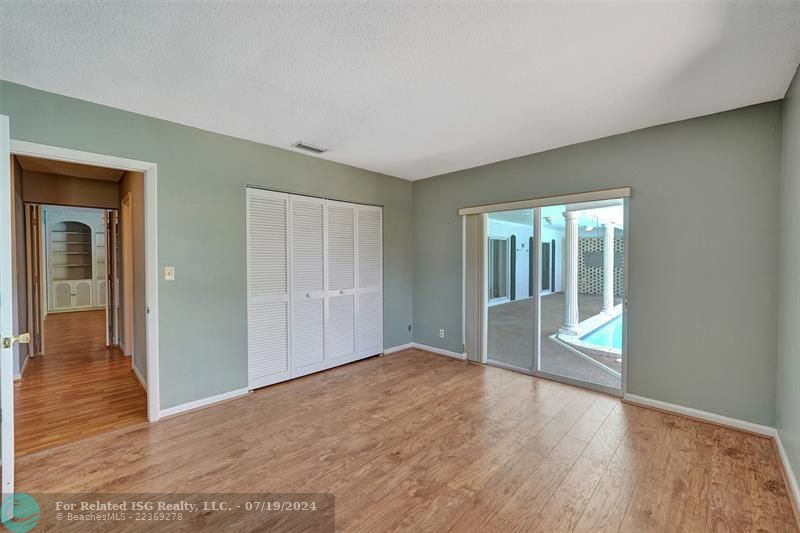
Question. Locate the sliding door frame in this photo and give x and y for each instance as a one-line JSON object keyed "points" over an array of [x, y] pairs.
{"points": [[624, 194]]}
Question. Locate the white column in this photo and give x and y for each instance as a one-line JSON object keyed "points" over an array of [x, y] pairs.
{"points": [[571, 316], [608, 268]]}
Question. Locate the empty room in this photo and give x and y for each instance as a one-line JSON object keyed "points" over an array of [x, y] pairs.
{"points": [[400, 266]]}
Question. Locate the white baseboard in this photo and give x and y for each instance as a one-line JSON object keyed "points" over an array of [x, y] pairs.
{"points": [[205, 402], [139, 376], [22, 370], [418, 346], [791, 479], [440, 351], [705, 416], [400, 348]]}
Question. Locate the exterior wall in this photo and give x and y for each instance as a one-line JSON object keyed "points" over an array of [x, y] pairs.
{"points": [[505, 229], [702, 323], [549, 235]]}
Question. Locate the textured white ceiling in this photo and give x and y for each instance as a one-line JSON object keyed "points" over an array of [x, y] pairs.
{"points": [[411, 89]]}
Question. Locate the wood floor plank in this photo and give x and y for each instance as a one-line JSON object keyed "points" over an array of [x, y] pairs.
{"points": [[78, 389], [420, 442]]}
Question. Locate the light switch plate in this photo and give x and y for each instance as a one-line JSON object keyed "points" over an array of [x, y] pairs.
{"points": [[169, 273]]}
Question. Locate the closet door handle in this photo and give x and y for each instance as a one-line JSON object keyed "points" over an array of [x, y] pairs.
{"points": [[341, 291], [308, 295]]}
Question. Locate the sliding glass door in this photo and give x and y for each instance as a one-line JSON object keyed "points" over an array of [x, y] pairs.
{"points": [[561, 312], [581, 320], [510, 321]]}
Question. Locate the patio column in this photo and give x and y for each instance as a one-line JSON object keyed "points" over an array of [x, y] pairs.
{"points": [[570, 326], [608, 268]]}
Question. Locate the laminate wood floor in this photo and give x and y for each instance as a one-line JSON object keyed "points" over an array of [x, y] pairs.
{"points": [[78, 389], [419, 442]]}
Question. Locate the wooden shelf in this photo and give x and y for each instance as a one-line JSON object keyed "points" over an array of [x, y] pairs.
{"points": [[73, 253]]}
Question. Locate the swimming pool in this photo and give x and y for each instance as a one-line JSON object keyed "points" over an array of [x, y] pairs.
{"points": [[607, 336]]}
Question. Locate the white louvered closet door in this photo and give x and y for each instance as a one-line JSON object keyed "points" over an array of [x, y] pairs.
{"points": [[308, 284], [267, 287], [340, 333], [369, 329]]}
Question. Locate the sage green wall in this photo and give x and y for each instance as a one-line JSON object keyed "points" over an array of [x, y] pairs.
{"points": [[788, 391], [201, 226], [703, 251]]}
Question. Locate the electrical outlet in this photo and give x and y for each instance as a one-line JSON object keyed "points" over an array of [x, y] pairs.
{"points": [[169, 273], [441, 334]]}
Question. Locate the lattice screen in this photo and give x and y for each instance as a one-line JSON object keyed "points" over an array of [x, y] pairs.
{"points": [[590, 278]]}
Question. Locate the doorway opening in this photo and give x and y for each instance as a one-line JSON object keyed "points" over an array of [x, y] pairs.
{"points": [[570, 325], [78, 255]]}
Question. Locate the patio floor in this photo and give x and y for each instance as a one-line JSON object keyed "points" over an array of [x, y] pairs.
{"points": [[510, 339]]}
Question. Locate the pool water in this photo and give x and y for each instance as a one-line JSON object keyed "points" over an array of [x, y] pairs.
{"points": [[609, 335]]}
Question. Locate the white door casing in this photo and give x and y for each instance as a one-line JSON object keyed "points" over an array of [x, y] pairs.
{"points": [[6, 310], [150, 171]]}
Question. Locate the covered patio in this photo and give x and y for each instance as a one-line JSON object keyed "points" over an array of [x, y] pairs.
{"points": [[581, 269], [510, 339]]}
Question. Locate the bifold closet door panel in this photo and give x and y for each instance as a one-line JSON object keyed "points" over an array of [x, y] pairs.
{"points": [[369, 331], [308, 281], [340, 333], [268, 345]]}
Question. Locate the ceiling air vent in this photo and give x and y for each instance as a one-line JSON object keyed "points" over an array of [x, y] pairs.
{"points": [[300, 145]]}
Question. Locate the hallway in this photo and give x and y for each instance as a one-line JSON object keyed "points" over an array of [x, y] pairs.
{"points": [[78, 389]]}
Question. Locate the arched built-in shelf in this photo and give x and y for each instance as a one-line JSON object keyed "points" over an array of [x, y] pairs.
{"points": [[75, 249]]}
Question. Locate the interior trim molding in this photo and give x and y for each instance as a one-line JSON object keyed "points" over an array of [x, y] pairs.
{"points": [[17, 377], [439, 351], [703, 416], [205, 402], [590, 196], [150, 171], [139, 376], [789, 476], [399, 348]]}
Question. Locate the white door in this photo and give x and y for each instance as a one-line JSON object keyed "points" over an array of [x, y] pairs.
{"points": [[369, 332], [340, 330], [6, 334], [82, 293], [308, 284], [62, 295], [268, 282]]}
